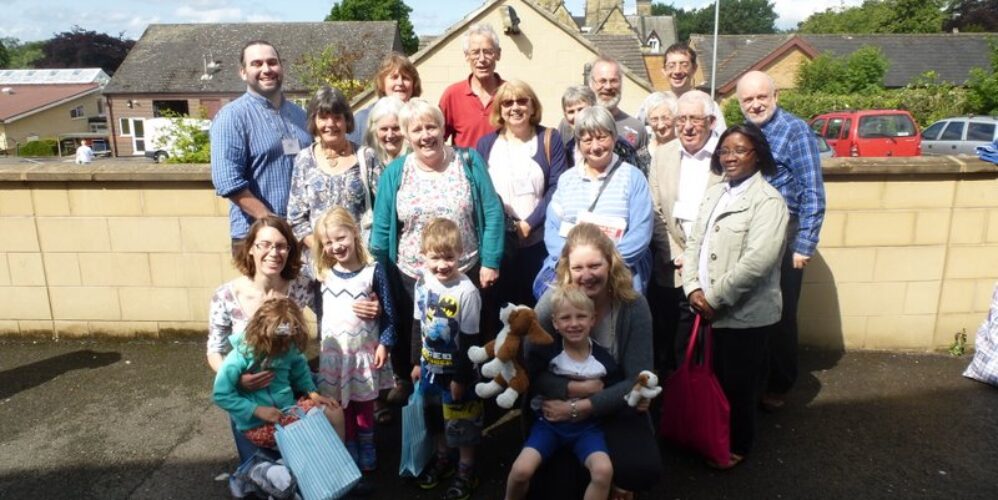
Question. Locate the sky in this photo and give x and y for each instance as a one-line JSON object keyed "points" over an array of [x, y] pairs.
{"points": [[29, 20]]}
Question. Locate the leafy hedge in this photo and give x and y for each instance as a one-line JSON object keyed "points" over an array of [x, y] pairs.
{"points": [[44, 147], [926, 103]]}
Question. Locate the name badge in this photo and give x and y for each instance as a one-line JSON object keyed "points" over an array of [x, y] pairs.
{"points": [[290, 145], [566, 226], [612, 227]]}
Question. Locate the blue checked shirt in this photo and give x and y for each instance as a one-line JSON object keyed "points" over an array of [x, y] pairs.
{"points": [[247, 153], [798, 176]]}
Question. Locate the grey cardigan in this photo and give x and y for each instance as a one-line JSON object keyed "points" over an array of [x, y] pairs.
{"points": [[746, 244], [634, 353]]}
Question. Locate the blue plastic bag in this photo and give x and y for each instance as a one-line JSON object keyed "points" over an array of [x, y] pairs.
{"points": [[316, 456], [417, 445]]}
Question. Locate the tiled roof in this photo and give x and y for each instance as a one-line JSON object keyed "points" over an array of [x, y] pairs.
{"points": [[19, 100], [664, 26], [951, 56], [168, 58], [626, 49]]}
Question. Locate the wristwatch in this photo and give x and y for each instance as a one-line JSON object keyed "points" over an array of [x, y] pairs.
{"points": [[575, 410]]}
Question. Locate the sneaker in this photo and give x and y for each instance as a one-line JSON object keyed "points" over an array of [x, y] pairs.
{"points": [[461, 488], [432, 475], [368, 453]]}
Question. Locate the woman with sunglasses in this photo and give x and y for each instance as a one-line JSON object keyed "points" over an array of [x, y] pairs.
{"points": [[525, 160]]}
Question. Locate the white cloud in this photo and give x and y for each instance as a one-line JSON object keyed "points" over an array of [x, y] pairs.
{"points": [[216, 15], [792, 12]]}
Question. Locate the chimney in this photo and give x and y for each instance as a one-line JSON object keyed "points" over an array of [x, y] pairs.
{"points": [[597, 10], [644, 7]]}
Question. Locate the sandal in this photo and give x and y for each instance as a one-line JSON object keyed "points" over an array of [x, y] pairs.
{"points": [[433, 473], [461, 488], [734, 460]]}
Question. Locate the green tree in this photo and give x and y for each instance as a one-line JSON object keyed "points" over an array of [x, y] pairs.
{"points": [[4, 56], [330, 66], [982, 86], [737, 17], [22, 55], [879, 16], [860, 72], [185, 138], [79, 48], [378, 10]]}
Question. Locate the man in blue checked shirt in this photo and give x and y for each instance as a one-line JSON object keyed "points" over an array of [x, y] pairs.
{"points": [[798, 178], [254, 141]]}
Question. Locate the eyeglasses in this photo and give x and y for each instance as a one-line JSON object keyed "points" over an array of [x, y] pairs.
{"points": [[476, 53], [679, 64], [519, 101], [694, 119], [738, 152], [655, 120], [266, 246], [605, 82]]}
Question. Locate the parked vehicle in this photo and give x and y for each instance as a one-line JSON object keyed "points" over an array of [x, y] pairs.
{"points": [[160, 143], [824, 150], [869, 132], [959, 135]]}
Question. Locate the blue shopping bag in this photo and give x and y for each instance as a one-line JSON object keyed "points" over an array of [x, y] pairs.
{"points": [[316, 457], [417, 446]]}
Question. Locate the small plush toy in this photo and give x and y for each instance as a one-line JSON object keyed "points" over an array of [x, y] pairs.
{"points": [[646, 387], [508, 376]]}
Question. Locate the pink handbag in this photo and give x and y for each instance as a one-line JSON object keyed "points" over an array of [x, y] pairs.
{"points": [[695, 412]]}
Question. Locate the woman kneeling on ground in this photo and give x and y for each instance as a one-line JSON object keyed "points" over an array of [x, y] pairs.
{"points": [[590, 261]]}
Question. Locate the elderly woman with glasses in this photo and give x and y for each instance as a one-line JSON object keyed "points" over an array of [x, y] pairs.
{"points": [[525, 160], [732, 273], [603, 190], [657, 112]]}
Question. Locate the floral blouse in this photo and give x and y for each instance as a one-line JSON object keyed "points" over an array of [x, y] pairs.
{"points": [[313, 190], [423, 196], [226, 315]]}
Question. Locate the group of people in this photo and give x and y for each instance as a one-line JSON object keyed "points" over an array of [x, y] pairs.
{"points": [[406, 225]]}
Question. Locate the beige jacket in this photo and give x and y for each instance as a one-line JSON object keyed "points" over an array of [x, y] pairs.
{"points": [[668, 237], [746, 246]]}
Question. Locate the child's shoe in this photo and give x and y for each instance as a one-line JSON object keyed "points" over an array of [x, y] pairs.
{"points": [[461, 487], [368, 453], [431, 476], [353, 451]]}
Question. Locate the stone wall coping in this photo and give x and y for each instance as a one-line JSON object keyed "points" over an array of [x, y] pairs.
{"points": [[126, 170]]}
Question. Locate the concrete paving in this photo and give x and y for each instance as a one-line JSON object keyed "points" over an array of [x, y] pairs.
{"points": [[135, 420]]}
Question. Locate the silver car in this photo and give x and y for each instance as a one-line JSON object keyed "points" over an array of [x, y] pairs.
{"points": [[959, 135]]}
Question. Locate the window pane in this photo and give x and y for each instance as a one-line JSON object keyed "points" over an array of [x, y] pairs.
{"points": [[981, 132], [886, 126], [834, 127], [817, 125], [125, 126], [953, 132], [933, 131], [139, 128], [846, 128]]}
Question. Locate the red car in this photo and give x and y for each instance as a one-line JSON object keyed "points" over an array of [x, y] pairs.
{"points": [[870, 132]]}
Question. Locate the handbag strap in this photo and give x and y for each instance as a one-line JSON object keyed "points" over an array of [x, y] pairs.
{"points": [[606, 182], [704, 334], [547, 145], [362, 161], [691, 345]]}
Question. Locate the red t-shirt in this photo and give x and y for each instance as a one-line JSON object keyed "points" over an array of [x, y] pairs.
{"points": [[465, 118]]}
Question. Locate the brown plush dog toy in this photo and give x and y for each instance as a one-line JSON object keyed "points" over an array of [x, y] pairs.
{"points": [[508, 376], [646, 387]]}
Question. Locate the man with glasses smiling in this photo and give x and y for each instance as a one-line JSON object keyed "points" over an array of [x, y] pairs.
{"points": [[467, 104], [679, 67], [678, 179], [606, 81]]}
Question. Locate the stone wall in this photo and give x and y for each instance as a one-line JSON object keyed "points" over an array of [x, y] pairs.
{"points": [[908, 253]]}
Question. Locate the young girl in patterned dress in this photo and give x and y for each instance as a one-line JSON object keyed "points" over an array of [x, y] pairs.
{"points": [[353, 363]]}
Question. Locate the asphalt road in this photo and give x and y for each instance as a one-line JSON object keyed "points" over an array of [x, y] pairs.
{"points": [[134, 420]]}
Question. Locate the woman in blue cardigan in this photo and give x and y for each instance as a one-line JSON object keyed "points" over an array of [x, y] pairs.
{"points": [[434, 180], [525, 160]]}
